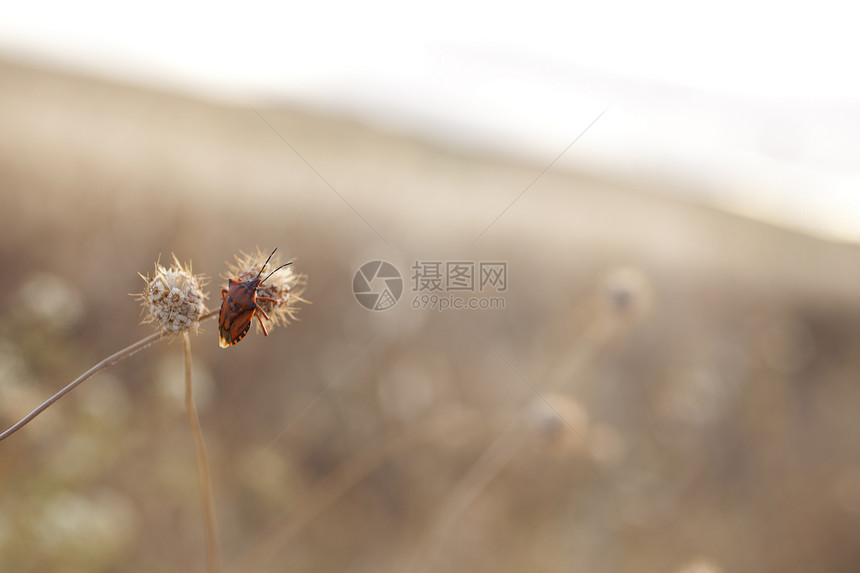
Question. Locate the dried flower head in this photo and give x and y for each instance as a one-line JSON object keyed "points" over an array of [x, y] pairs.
{"points": [[628, 292], [285, 286], [172, 298], [701, 566]]}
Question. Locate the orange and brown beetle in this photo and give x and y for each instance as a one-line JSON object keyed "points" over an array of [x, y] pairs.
{"points": [[239, 307]]}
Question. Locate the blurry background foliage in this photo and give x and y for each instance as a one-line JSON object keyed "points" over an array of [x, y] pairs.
{"points": [[710, 360]]}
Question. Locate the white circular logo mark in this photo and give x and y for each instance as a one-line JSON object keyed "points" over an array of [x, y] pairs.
{"points": [[377, 285]]}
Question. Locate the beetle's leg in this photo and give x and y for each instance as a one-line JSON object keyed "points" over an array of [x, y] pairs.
{"points": [[263, 312], [262, 324], [267, 299], [223, 294]]}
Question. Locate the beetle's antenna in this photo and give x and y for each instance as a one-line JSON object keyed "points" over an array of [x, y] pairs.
{"points": [[276, 270], [264, 265]]}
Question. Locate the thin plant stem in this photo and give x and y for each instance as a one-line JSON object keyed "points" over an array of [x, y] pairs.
{"points": [[213, 558], [503, 449], [468, 487], [328, 490], [109, 361]]}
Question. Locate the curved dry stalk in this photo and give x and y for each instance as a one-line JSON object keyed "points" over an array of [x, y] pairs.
{"points": [[480, 473], [501, 451], [328, 490], [213, 558], [109, 361]]}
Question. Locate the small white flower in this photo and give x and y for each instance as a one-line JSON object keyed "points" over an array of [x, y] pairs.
{"points": [[172, 298]]}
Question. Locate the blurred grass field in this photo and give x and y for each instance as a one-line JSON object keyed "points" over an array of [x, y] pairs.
{"points": [[711, 361]]}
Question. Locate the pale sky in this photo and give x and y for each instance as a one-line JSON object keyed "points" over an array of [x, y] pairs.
{"points": [[757, 102]]}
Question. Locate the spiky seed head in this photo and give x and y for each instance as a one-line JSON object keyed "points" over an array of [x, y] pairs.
{"points": [[285, 286], [172, 298]]}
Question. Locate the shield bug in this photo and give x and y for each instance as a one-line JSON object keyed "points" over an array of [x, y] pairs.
{"points": [[239, 307]]}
